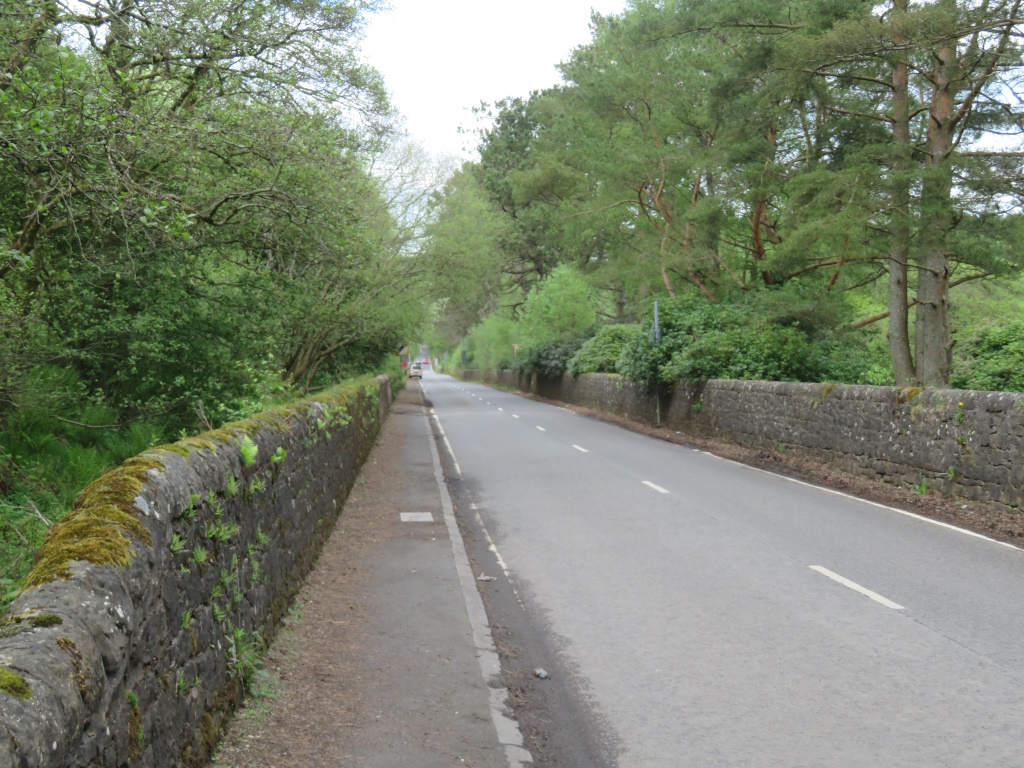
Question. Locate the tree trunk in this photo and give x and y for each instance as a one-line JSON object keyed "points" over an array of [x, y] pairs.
{"points": [[757, 220], [934, 345], [899, 320]]}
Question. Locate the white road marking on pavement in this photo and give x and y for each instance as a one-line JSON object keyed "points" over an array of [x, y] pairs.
{"points": [[506, 728], [542, 429], [857, 588], [514, 416], [581, 450], [501, 409], [865, 501], [448, 445], [491, 547], [658, 488], [417, 517]]}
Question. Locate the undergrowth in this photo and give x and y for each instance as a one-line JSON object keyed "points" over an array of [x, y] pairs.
{"points": [[57, 441]]}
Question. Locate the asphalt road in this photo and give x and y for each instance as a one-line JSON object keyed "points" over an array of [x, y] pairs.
{"points": [[710, 614]]}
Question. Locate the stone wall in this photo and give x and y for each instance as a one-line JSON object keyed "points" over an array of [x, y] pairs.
{"points": [[147, 603], [962, 443]]}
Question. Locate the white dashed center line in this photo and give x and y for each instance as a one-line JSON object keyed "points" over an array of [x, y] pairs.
{"points": [[581, 450], [857, 588], [514, 416], [658, 488], [501, 409], [542, 429]]}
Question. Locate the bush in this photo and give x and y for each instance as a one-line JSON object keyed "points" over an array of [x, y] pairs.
{"points": [[558, 308], [681, 321], [489, 344], [600, 353], [762, 352], [549, 358], [993, 360], [703, 341]]}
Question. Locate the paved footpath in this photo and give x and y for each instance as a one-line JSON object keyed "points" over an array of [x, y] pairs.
{"points": [[387, 660]]}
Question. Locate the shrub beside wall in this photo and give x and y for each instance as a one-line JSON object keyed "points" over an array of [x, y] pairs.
{"points": [[962, 443], [140, 622]]}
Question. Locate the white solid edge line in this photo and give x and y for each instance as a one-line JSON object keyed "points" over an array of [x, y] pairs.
{"points": [[658, 488], [542, 429], [506, 728], [581, 450], [857, 587], [448, 445], [866, 501]]}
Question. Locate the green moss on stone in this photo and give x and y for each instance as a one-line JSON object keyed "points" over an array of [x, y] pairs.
{"points": [[908, 394], [10, 630], [26, 622], [136, 731], [94, 530], [14, 685]]}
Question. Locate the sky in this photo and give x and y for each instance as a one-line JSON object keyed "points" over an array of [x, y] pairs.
{"points": [[439, 58]]}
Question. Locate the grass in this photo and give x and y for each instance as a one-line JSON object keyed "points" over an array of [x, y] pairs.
{"points": [[52, 449]]}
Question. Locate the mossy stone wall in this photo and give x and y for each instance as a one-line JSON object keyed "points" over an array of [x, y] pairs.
{"points": [[126, 646], [961, 443]]}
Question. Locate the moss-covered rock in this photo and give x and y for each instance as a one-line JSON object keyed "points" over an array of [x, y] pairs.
{"points": [[99, 526], [14, 684], [26, 622]]}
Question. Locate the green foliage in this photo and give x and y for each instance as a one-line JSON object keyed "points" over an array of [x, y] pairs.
{"points": [[279, 455], [701, 340], [765, 352], [489, 345], [249, 450], [681, 321], [600, 353], [993, 360], [760, 155], [177, 544], [243, 657], [162, 227], [548, 358], [200, 555], [559, 307], [219, 531]]}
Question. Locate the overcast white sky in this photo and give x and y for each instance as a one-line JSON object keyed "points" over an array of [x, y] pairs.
{"points": [[439, 58]]}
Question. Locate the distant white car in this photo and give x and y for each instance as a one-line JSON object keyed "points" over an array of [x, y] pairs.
{"points": [[415, 371]]}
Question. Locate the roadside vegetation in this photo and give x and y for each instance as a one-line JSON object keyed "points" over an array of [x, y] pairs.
{"points": [[206, 210], [811, 191]]}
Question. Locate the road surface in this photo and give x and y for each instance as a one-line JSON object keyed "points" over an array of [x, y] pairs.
{"points": [[697, 612]]}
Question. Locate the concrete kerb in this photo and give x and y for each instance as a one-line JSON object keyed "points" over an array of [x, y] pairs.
{"points": [[505, 726]]}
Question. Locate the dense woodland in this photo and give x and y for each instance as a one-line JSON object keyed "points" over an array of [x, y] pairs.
{"points": [[208, 207], [821, 190]]}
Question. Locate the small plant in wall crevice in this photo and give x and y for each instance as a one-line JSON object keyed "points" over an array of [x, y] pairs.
{"points": [[249, 450]]}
